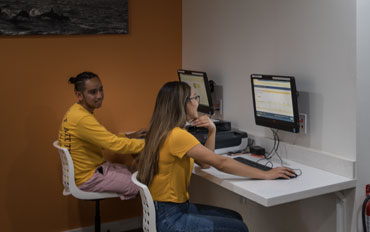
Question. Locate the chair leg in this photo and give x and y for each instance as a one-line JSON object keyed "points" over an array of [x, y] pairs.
{"points": [[97, 216]]}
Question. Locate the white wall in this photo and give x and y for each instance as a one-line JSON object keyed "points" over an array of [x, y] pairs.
{"points": [[314, 40], [363, 105]]}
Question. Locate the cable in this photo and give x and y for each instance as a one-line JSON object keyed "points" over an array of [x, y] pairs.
{"points": [[270, 154], [268, 162], [274, 151], [275, 146]]}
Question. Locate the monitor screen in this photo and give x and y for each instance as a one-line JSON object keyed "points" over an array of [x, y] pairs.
{"points": [[198, 81], [275, 102]]}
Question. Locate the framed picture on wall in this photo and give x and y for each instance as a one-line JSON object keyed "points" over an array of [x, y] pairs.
{"points": [[63, 17]]}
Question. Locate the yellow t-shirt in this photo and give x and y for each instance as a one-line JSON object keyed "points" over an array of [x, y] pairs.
{"points": [[86, 138], [171, 182]]}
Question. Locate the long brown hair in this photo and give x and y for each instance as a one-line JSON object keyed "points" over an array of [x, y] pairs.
{"points": [[169, 112]]}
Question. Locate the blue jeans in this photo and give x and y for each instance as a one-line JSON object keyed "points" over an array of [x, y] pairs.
{"points": [[195, 218]]}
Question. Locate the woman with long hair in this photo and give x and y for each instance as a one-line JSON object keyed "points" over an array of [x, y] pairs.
{"points": [[166, 163]]}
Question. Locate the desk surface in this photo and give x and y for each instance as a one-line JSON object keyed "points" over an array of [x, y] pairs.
{"points": [[312, 182]]}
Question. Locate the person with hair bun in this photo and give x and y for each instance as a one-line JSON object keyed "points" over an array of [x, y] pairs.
{"points": [[85, 138]]}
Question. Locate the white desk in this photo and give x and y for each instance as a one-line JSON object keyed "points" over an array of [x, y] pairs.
{"points": [[312, 182]]}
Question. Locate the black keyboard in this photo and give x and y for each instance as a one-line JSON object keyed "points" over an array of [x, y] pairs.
{"points": [[257, 165], [252, 163]]}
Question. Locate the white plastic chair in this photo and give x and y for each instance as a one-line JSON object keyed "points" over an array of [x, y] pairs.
{"points": [[70, 186], [149, 224]]}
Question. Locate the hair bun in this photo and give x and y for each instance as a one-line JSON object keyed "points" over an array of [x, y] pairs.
{"points": [[72, 80]]}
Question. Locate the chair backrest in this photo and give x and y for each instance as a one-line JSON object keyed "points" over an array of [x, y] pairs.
{"points": [[69, 183], [149, 224]]}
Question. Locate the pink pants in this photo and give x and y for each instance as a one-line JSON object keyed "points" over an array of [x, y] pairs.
{"points": [[111, 177]]}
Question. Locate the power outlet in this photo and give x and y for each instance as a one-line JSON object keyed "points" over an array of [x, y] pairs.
{"points": [[303, 123]]}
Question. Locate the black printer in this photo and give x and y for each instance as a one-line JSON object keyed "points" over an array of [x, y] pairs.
{"points": [[225, 136]]}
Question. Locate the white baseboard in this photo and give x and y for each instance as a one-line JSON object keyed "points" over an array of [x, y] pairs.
{"points": [[116, 226]]}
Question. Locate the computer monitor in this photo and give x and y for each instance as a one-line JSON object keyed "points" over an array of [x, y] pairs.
{"points": [[275, 102], [199, 81]]}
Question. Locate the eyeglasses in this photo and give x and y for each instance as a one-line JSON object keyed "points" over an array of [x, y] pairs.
{"points": [[197, 98]]}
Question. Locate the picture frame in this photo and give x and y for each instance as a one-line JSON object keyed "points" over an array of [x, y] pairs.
{"points": [[63, 17]]}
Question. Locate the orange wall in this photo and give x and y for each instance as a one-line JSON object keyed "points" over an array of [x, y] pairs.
{"points": [[35, 94]]}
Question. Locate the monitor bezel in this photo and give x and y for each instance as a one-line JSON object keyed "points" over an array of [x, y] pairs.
{"points": [[201, 108], [274, 123]]}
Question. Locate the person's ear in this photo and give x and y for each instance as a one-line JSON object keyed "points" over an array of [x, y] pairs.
{"points": [[79, 96]]}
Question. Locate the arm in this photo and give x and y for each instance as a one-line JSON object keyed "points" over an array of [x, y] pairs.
{"points": [[205, 121], [90, 130], [228, 165], [137, 134]]}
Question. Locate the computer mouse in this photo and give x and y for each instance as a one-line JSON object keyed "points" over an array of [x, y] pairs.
{"points": [[291, 177], [295, 176]]}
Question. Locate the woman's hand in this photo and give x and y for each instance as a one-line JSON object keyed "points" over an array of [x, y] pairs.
{"points": [[204, 121], [137, 134], [279, 172]]}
